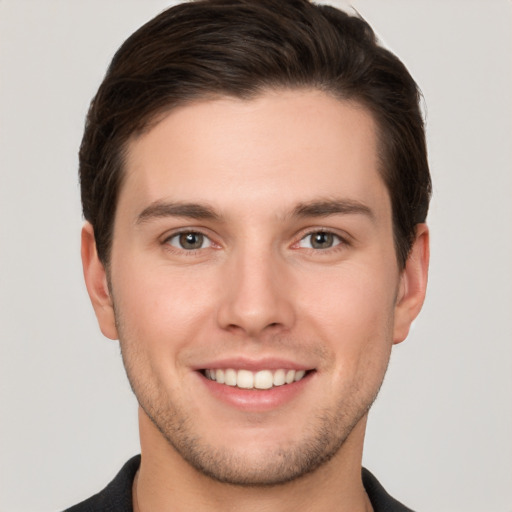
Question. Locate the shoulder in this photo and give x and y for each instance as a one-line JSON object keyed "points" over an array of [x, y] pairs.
{"points": [[381, 501], [117, 496]]}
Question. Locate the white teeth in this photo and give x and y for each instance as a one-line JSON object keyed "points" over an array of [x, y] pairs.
{"points": [[245, 379], [279, 378], [263, 379], [299, 374], [230, 377], [290, 376]]}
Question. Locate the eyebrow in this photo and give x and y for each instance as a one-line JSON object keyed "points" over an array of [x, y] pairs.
{"points": [[316, 208], [161, 209], [324, 208]]}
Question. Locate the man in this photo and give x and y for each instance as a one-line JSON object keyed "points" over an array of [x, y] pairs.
{"points": [[255, 186]]}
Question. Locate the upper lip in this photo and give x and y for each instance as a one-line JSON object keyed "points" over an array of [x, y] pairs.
{"points": [[254, 364]]}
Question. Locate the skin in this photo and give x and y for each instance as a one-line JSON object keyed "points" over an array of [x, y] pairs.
{"points": [[267, 173]]}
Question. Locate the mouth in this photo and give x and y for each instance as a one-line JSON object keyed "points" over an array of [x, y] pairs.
{"points": [[262, 379]]}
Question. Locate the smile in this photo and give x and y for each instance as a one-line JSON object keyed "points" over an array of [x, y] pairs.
{"points": [[246, 379]]}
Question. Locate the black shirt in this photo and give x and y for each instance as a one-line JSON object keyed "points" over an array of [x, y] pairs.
{"points": [[117, 496]]}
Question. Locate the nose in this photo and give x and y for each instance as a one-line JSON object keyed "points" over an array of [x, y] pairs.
{"points": [[257, 295]]}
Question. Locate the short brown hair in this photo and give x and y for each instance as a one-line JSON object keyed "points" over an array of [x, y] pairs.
{"points": [[240, 48]]}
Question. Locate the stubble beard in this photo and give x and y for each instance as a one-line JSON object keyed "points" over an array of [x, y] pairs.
{"points": [[323, 437], [284, 464]]}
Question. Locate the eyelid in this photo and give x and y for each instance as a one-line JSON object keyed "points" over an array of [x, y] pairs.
{"points": [[164, 240], [185, 229], [178, 235], [343, 238]]}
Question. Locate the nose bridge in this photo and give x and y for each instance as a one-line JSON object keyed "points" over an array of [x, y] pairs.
{"points": [[256, 297]]}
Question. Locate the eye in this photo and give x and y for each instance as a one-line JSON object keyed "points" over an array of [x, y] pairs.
{"points": [[320, 240], [189, 241]]}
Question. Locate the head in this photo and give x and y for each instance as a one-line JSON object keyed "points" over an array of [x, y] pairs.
{"points": [[255, 183], [242, 49]]}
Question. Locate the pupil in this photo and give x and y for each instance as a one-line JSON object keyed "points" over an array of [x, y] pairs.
{"points": [[191, 240], [322, 240]]}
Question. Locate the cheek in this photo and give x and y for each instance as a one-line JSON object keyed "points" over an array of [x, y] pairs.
{"points": [[350, 296], [161, 306], [352, 309]]}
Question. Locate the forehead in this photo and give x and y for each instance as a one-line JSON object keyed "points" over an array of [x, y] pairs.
{"points": [[277, 149]]}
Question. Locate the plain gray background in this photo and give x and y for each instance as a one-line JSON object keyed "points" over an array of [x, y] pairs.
{"points": [[440, 434]]}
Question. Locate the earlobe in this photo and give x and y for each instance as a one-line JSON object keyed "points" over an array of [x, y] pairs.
{"points": [[97, 285], [413, 285]]}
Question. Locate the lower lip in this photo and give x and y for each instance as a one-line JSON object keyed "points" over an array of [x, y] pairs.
{"points": [[256, 400]]}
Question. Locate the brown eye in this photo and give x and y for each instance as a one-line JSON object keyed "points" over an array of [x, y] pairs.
{"points": [[320, 240], [189, 241]]}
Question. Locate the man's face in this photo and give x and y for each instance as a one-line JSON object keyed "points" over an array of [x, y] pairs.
{"points": [[253, 244]]}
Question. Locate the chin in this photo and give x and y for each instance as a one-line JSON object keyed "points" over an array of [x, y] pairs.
{"points": [[255, 460]]}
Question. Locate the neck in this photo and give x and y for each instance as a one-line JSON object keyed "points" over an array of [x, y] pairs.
{"points": [[165, 481]]}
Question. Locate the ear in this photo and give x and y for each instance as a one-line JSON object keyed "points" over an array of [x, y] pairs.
{"points": [[97, 285], [413, 284]]}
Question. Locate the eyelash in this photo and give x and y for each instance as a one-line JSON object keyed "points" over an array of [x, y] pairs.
{"points": [[339, 241], [188, 252]]}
